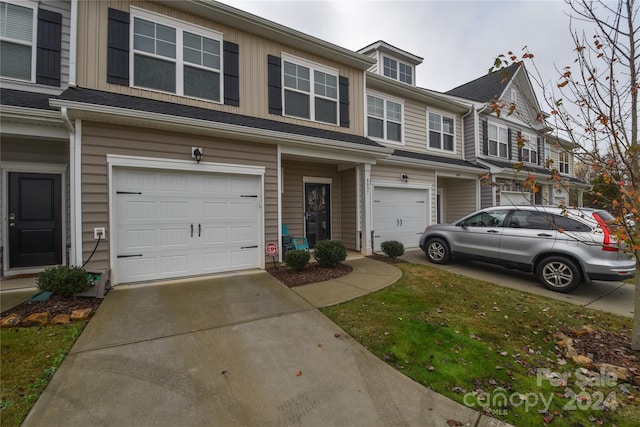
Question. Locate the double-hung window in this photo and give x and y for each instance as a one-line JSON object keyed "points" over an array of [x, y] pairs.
{"points": [[498, 141], [310, 91], [384, 118], [17, 29], [397, 70], [563, 162], [441, 132], [176, 57], [529, 149]]}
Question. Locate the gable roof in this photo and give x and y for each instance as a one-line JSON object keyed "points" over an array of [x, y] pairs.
{"points": [[390, 49], [488, 87], [93, 100]]}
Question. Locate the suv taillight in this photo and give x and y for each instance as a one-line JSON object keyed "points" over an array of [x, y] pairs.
{"points": [[606, 244]]}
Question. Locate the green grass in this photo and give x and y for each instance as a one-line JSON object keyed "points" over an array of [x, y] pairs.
{"points": [[480, 344], [30, 357]]}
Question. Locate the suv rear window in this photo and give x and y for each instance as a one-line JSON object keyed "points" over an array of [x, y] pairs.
{"points": [[568, 224]]}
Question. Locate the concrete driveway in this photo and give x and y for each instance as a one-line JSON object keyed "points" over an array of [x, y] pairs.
{"points": [[612, 297], [227, 351]]}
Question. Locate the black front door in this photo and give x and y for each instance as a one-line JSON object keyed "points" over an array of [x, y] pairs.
{"points": [[317, 212], [35, 219]]}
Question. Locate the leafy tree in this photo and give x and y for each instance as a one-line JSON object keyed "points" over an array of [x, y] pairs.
{"points": [[593, 104]]}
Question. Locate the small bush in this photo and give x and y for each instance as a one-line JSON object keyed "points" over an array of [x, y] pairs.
{"points": [[330, 253], [297, 260], [63, 280], [392, 248]]}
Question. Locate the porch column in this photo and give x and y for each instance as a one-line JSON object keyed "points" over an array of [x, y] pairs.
{"points": [[366, 218]]}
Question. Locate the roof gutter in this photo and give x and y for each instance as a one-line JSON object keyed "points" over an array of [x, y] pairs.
{"points": [[231, 131]]}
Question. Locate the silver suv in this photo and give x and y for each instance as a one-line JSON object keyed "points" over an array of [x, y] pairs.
{"points": [[562, 247]]}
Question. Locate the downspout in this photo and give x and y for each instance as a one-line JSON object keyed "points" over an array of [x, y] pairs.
{"points": [[73, 43], [75, 186]]}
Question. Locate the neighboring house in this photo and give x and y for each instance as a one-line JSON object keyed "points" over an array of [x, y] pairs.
{"points": [[427, 178], [34, 150], [515, 146]]}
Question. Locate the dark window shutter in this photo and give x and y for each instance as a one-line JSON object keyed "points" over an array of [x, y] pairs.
{"points": [[118, 47], [519, 147], [344, 101], [275, 85], [49, 47], [231, 74], [540, 150], [485, 137], [509, 144]]}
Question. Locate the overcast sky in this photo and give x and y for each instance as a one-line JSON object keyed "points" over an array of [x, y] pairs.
{"points": [[457, 39]]}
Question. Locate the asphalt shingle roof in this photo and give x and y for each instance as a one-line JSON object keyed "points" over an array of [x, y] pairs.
{"points": [[487, 87], [96, 97], [21, 98], [529, 168], [437, 159]]}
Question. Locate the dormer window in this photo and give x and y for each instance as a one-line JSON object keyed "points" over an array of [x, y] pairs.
{"points": [[397, 70]]}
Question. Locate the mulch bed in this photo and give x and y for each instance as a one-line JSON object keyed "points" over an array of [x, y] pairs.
{"points": [[606, 347], [312, 273], [54, 305]]}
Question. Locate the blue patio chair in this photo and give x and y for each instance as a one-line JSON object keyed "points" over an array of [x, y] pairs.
{"points": [[290, 242]]}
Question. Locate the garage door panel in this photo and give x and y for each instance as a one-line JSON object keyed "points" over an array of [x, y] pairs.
{"points": [[185, 223], [399, 214]]}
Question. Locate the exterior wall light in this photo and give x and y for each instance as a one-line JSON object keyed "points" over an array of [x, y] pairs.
{"points": [[404, 177], [196, 153]]}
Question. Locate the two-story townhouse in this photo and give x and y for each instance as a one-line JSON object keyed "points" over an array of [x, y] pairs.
{"points": [[195, 130], [427, 177], [516, 145], [34, 171]]}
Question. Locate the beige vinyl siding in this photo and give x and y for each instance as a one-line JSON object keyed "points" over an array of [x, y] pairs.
{"points": [[98, 140], [92, 65], [417, 176], [415, 126], [349, 201], [472, 146], [458, 198], [293, 195]]}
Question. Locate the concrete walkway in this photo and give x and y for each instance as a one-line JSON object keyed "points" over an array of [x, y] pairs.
{"points": [[235, 350]]}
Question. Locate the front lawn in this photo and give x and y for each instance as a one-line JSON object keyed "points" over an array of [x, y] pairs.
{"points": [[494, 348], [30, 357]]}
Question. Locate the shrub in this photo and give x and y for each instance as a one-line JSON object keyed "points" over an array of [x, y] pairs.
{"points": [[297, 259], [63, 280], [392, 248], [330, 253]]}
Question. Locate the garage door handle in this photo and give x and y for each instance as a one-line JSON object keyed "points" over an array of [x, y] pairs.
{"points": [[400, 222], [248, 247], [128, 256], [191, 230], [199, 229]]}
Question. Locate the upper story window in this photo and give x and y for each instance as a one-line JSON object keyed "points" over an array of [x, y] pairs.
{"points": [[397, 70], [310, 91], [17, 34], [498, 137], [441, 132], [563, 162], [175, 57], [529, 149], [384, 118]]}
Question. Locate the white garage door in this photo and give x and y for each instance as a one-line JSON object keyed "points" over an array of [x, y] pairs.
{"points": [[399, 214], [176, 224], [508, 198]]}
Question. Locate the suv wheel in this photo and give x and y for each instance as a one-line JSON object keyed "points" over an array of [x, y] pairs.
{"points": [[438, 251], [558, 274]]}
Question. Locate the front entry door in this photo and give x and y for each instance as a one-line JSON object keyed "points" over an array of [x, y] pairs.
{"points": [[317, 212], [35, 219]]}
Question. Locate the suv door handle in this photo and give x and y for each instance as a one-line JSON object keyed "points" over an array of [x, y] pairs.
{"points": [[544, 235], [492, 231]]}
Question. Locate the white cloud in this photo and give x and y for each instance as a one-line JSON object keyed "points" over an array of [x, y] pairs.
{"points": [[457, 39]]}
